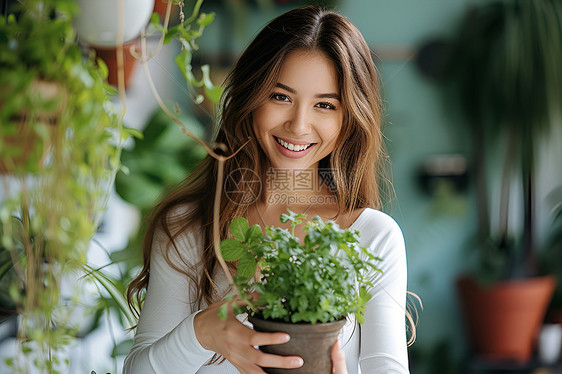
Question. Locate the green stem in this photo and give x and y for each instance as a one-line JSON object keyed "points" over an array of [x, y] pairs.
{"points": [[195, 12]]}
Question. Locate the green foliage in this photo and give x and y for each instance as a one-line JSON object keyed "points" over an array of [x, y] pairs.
{"points": [[187, 33], [160, 160], [60, 141], [322, 280]]}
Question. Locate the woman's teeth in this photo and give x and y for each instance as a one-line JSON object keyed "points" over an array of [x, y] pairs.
{"points": [[293, 147]]}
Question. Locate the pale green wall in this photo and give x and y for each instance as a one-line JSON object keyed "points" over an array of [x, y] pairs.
{"points": [[419, 126]]}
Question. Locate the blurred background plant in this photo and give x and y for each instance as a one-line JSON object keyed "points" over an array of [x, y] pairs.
{"points": [[61, 148], [60, 143], [506, 62]]}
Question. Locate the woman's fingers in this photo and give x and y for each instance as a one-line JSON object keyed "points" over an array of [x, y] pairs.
{"points": [[236, 342], [338, 359], [267, 360], [268, 338]]}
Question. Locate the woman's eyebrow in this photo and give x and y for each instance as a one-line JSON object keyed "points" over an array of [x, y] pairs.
{"points": [[323, 95]]}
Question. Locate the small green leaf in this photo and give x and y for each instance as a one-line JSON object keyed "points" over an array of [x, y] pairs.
{"points": [[214, 93], [133, 132], [155, 18], [206, 19], [239, 227], [183, 61], [232, 249], [247, 267], [172, 32], [254, 233], [360, 318]]}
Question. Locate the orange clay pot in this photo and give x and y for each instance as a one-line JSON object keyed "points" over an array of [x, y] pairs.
{"points": [[160, 8], [109, 56], [503, 320]]}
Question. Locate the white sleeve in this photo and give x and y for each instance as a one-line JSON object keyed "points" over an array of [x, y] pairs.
{"points": [[165, 340], [383, 334]]}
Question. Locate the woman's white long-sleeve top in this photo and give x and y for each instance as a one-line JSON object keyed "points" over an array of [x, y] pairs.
{"points": [[165, 340]]}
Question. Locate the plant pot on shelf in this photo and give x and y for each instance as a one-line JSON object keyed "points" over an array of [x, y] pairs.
{"points": [[504, 319], [109, 56], [311, 342]]}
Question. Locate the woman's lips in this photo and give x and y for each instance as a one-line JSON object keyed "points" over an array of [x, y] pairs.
{"points": [[293, 154]]}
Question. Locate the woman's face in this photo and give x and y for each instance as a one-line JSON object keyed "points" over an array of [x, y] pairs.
{"points": [[299, 123]]}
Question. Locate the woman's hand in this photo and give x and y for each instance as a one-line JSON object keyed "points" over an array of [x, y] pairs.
{"points": [[338, 359], [236, 342]]}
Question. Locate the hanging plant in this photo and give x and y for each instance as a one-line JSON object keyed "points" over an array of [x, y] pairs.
{"points": [[60, 143]]}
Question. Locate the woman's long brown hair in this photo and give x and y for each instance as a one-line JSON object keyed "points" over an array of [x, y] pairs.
{"points": [[356, 165]]}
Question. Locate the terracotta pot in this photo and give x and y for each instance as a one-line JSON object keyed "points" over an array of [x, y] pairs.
{"points": [[160, 7], [503, 320], [109, 56], [25, 137], [311, 342]]}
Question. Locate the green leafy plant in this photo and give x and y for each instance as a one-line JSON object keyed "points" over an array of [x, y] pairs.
{"points": [[60, 144], [508, 85], [322, 280], [187, 32]]}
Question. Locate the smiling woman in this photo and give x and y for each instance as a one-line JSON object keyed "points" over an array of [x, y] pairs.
{"points": [[305, 93]]}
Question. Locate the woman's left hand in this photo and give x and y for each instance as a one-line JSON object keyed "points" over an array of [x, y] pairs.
{"points": [[338, 359]]}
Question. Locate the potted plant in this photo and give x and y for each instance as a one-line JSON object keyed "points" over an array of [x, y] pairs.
{"points": [[506, 64], [60, 143], [306, 290], [100, 24]]}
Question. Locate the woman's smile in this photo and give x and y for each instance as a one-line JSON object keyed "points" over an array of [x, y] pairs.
{"points": [[293, 149]]}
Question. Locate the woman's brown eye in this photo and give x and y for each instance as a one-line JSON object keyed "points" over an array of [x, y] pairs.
{"points": [[279, 97], [326, 106]]}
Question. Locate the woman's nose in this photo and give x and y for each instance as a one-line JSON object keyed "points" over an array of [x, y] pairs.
{"points": [[299, 122]]}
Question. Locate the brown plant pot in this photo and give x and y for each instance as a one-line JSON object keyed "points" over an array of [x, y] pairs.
{"points": [[503, 320], [25, 138], [109, 56], [311, 342]]}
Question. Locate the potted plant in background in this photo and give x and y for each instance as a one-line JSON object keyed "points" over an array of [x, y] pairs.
{"points": [[506, 61], [97, 25], [306, 290], [60, 143], [56, 187]]}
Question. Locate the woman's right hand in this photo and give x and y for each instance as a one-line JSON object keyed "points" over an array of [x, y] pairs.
{"points": [[234, 341]]}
